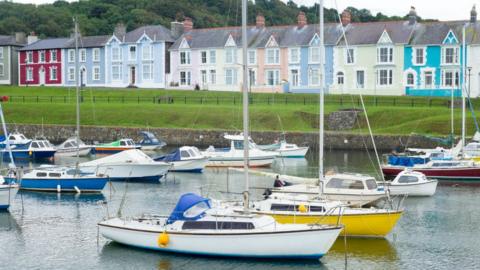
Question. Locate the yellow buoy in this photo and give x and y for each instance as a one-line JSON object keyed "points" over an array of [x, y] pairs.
{"points": [[163, 239], [302, 208], [30, 153]]}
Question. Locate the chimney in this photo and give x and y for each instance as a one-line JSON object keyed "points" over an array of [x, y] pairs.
{"points": [[260, 21], [20, 38], [473, 15], [301, 19], [32, 38], [412, 16], [187, 24], [176, 28], [120, 30], [346, 17]]}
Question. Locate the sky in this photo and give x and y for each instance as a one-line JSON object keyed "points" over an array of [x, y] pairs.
{"points": [[427, 9]]}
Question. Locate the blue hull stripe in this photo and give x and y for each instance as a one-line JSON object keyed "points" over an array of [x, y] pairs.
{"points": [[199, 170], [4, 206], [146, 179], [84, 184]]}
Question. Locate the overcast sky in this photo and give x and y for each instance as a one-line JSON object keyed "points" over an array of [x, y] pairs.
{"points": [[431, 9]]}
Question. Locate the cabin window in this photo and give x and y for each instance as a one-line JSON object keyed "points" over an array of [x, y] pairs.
{"points": [[22, 137], [344, 184], [238, 145], [12, 138], [41, 144], [407, 179], [371, 184], [68, 145], [291, 207], [192, 153], [35, 145], [184, 154], [213, 225], [196, 210], [41, 174], [54, 174], [122, 143]]}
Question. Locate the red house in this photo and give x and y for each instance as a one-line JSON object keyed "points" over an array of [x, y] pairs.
{"points": [[40, 62]]}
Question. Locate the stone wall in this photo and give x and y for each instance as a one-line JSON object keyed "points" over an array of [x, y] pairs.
{"points": [[203, 138]]}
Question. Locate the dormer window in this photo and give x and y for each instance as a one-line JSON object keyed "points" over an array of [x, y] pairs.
{"points": [[273, 56], [385, 55]]}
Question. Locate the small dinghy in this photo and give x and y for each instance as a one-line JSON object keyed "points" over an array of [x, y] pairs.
{"points": [[150, 142], [195, 228], [69, 148], [412, 183], [116, 146], [286, 150], [185, 159], [133, 165]]}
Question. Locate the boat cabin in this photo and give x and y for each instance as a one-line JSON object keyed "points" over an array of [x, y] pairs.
{"points": [[41, 144], [237, 142], [127, 142], [350, 182], [409, 177], [18, 138]]}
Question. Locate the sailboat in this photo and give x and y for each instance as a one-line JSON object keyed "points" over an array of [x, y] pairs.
{"points": [[195, 227], [7, 190], [66, 178], [360, 222]]}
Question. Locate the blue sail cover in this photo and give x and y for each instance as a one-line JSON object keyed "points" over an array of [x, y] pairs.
{"points": [[174, 156], [406, 160], [186, 202]]}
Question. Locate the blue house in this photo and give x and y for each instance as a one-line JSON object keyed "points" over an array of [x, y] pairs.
{"points": [[138, 58], [91, 57], [433, 60]]}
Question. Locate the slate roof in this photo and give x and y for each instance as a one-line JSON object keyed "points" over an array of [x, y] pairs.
{"points": [[369, 33], [285, 36], [50, 43], [433, 33], [89, 42], [9, 41], [154, 32]]}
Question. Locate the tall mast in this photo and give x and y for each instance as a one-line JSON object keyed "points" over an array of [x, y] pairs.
{"points": [[77, 86], [322, 94], [245, 103], [7, 141], [464, 77]]}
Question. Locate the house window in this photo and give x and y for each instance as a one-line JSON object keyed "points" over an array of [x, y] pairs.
{"points": [[314, 76], [213, 57], [273, 77], [41, 57], [185, 58], [71, 74], [147, 52], [428, 79], [410, 79], [96, 73], [29, 74], [419, 56], [147, 71], [450, 78], [203, 55], [96, 55], [185, 78], [252, 57], [71, 56], [132, 52], [230, 76], [252, 77], [385, 77], [360, 79], [350, 56], [83, 55], [116, 54], [116, 72], [230, 55], [294, 77], [213, 76], [273, 56], [1, 69], [29, 57], [385, 55], [53, 56], [204, 76], [294, 55], [53, 73], [450, 55], [340, 78], [314, 55]]}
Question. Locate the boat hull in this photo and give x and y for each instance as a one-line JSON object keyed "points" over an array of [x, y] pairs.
{"points": [[238, 162], [191, 165], [7, 194], [300, 152], [354, 200], [307, 244], [356, 225], [414, 189], [111, 150], [72, 152], [472, 174], [94, 184], [134, 172], [26, 154]]}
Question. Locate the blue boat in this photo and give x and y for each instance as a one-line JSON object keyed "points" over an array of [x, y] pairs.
{"points": [[26, 149], [150, 142]]}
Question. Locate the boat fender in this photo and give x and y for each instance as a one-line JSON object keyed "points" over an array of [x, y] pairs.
{"points": [[163, 239], [302, 208]]}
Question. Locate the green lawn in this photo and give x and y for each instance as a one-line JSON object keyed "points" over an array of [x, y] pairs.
{"points": [[199, 109]]}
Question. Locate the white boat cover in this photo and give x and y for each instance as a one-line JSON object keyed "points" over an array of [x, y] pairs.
{"points": [[134, 156], [476, 137]]}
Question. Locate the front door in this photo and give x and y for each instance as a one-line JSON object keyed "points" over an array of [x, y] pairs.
{"points": [[83, 77], [41, 76], [132, 75]]}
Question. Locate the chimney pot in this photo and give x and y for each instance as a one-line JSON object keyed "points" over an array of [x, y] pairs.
{"points": [[412, 16], [346, 17], [187, 24], [260, 21], [120, 30], [32, 38], [20, 38], [473, 14], [176, 28], [301, 19]]}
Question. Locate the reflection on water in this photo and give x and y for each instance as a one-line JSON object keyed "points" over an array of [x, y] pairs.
{"points": [[58, 231]]}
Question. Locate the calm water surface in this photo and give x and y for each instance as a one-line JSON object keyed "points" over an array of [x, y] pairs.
{"points": [[53, 231]]}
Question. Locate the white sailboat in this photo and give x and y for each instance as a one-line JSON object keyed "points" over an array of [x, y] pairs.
{"points": [[196, 228]]}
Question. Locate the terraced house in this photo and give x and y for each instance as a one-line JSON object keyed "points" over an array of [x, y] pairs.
{"points": [[9, 57]]}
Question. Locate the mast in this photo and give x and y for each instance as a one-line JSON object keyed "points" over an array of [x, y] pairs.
{"points": [[463, 86], [7, 141], [322, 101], [245, 103], [77, 74]]}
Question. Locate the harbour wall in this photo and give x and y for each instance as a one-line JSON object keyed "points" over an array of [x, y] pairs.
{"points": [[334, 140]]}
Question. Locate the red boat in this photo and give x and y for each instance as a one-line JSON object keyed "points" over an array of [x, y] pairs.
{"points": [[441, 169]]}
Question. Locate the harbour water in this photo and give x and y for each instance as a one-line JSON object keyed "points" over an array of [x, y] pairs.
{"points": [[58, 231]]}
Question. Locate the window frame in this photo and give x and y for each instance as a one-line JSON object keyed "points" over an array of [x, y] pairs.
{"points": [[51, 71], [249, 53], [82, 55], [273, 59], [71, 73], [96, 54], [71, 56], [291, 60], [53, 59], [94, 73], [275, 80], [350, 58], [186, 55], [388, 78]]}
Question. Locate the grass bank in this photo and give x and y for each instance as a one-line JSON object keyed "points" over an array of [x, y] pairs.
{"points": [[221, 110]]}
